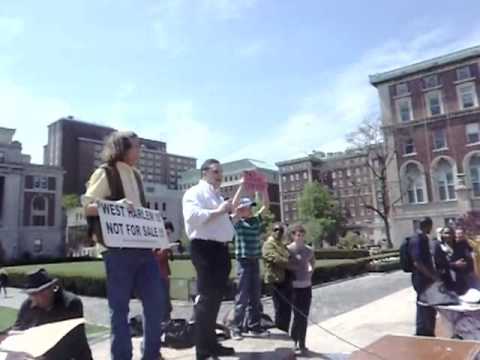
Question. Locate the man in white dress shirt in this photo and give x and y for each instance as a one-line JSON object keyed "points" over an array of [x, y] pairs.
{"points": [[209, 228]]}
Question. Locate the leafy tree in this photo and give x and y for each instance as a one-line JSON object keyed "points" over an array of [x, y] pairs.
{"points": [[70, 201], [320, 213]]}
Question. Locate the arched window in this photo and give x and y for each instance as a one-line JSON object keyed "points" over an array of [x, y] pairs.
{"points": [[39, 211], [474, 167], [414, 184], [444, 182]]}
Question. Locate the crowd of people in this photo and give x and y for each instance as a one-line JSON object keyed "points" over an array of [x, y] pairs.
{"points": [[211, 223], [447, 259]]}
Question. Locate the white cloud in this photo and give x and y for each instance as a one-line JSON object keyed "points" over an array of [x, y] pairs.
{"points": [[176, 22], [10, 29], [324, 118]]}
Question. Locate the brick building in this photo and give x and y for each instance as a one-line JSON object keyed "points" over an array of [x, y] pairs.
{"points": [[345, 174], [31, 218], [76, 146], [232, 172], [431, 116]]}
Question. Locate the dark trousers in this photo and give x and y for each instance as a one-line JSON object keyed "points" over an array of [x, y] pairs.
{"points": [[282, 299], [212, 264], [302, 298], [425, 320]]}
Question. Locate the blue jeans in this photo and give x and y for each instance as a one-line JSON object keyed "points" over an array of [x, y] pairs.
{"points": [[129, 272], [248, 295]]}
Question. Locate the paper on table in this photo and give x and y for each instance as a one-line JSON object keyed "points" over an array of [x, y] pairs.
{"points": [[472, 296], [38, 340]]}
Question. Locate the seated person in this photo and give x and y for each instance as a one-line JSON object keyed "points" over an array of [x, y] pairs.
{"points": [[453, 261], [47, 302]]}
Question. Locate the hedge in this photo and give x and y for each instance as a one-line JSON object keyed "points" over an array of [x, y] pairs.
{"points": [[89, 278]]}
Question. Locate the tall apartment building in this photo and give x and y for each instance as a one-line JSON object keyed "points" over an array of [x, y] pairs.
{"points": [[76, 146], [232, 172], [431, 116], [30, 203], [345, 174]]}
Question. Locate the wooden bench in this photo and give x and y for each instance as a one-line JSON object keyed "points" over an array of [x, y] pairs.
{"points": [[393, 347]]}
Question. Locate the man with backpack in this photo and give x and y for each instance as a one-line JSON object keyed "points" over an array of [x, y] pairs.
{"points": [[423, 275]]}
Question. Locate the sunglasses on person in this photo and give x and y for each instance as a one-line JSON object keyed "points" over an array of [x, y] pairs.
{"points": [[278, 230]]}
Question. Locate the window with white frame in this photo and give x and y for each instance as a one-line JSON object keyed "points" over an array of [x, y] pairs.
{"points": [[444, 180], [463, 73], [414, 184], [305, 175], [404, 109], [430, 81], [475, 174], [409, 146], [434, 103], [473, 133], [467, 96], [439, 139], [401, 89]]}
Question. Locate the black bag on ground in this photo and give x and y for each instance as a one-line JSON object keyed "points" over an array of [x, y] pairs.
{"points": [[179, 334]]}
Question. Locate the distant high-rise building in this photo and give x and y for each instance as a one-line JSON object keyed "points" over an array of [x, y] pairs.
{"points": [[76, 146]]}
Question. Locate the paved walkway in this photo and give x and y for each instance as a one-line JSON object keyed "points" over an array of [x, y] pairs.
{"points": [[360, 310]]}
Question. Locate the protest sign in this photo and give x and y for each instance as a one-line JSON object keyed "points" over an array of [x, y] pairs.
{"points": [[254, 181], [133, 227]]}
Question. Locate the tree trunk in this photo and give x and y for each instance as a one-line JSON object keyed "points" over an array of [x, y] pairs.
{"points": [[387, 232]]}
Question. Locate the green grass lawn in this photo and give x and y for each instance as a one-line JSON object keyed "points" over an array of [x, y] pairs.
{"points": [[8, 316]]}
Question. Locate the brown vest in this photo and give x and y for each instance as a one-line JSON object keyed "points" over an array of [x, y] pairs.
{"points": [[116, 193]]}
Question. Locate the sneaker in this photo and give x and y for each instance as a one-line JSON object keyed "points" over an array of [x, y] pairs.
{"points": [[259, 332], [224, 351], [237, 334]]}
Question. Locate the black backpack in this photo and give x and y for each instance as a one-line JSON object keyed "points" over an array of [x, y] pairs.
{"points": [[406, 262]]}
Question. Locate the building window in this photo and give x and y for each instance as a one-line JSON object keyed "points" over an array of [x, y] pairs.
{"points": [[401, 89], [443, 177], [414, 184], [38, 245], [439, 139], [297, 176], [475, 175], [404, 109], [292, 178], [463, 73], [472, 132], [284, 178], [40, 182], [39, 211], [467, 96], [305, 175], [430, 81], [434, 103], [2, 157], [409, 146]]}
